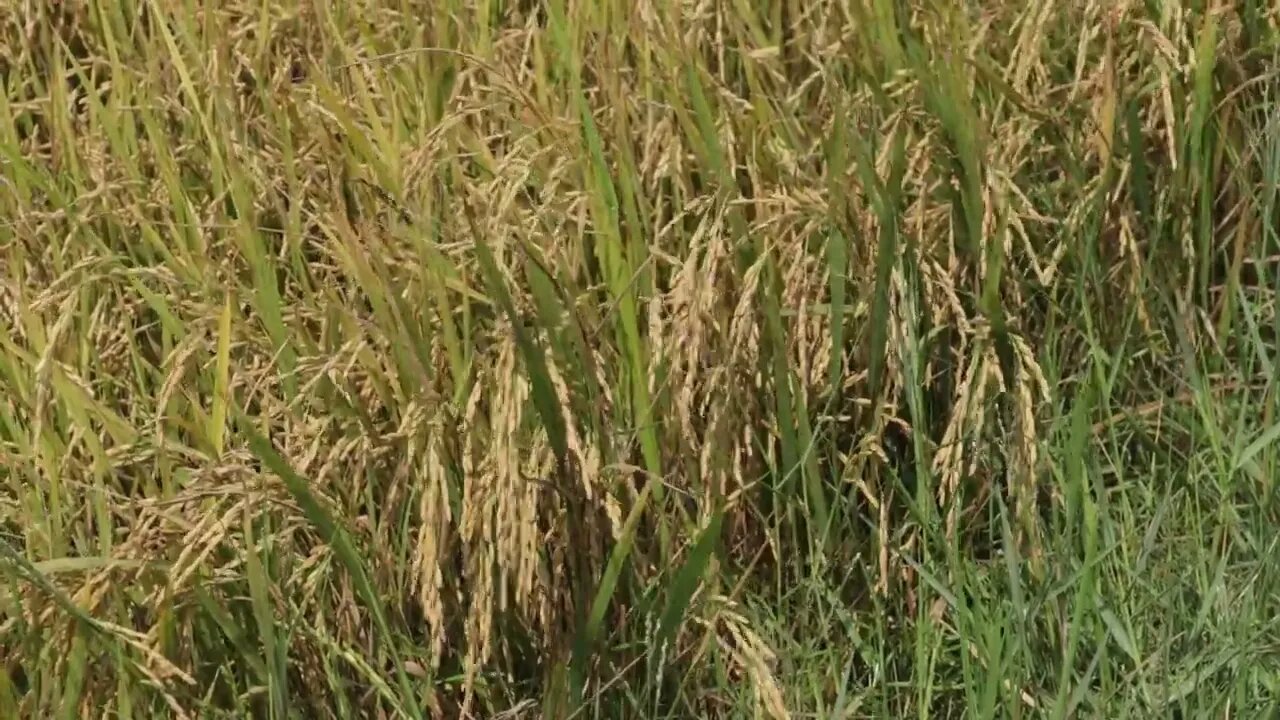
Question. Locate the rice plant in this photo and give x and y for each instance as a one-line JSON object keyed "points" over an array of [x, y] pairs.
{"points": [[584, 359]]}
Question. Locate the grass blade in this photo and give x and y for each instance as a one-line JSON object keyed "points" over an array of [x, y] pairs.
{"points": [[685, 583]]}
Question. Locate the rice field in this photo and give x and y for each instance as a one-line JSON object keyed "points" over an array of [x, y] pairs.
{"points": [[576, 359]]}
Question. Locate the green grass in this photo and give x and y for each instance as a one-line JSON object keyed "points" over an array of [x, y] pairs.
{"points": [[587, 359]]}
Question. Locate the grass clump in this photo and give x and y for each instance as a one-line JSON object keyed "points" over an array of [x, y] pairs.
{"points": [[582, 358]]}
